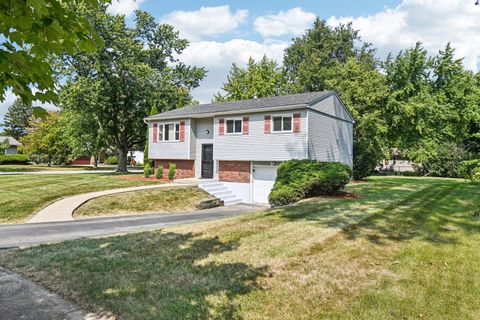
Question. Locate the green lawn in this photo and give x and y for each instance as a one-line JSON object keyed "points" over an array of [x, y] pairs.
{"points": [[407, 248], [146, 201], [44, 167], [22, 195]]}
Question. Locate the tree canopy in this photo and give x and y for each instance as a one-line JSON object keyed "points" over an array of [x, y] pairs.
{"points": [[17, 118], [137, 67], [33, 33]]}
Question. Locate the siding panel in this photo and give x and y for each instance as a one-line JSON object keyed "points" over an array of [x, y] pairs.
{"points": [[259, 146], [171, 149], [332, 106], [329, 139]]}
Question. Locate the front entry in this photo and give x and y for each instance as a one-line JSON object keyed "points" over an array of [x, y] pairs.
{"points": [[207, 161]]}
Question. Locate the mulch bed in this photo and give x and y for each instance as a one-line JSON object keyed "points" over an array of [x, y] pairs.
{"points": [[140, 178], [356, 181]]}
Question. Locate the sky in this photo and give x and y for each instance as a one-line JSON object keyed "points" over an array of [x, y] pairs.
{"points": [[223, 32]]}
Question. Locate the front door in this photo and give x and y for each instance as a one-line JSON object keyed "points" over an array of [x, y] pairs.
{"points": [[207, 161]]}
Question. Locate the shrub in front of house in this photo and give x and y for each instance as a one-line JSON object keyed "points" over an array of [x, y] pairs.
{"points": [[147, 170], [172, 169], [299, 179], [159, 172], [112, 160], [14, 159]]}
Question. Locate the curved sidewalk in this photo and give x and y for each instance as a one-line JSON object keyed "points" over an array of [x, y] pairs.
{"points": [[62, 210]]}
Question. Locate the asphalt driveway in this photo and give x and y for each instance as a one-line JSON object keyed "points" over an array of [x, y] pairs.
{"points": [[25, 235]]}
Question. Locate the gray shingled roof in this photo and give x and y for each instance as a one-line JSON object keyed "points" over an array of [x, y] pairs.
{"points": [[11, 140], [249, 104]]}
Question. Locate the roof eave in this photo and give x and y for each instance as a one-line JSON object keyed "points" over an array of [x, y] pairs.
{"points": [[233, 112]]}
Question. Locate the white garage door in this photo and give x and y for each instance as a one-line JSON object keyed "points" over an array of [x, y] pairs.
{"points": [[263, 180]]}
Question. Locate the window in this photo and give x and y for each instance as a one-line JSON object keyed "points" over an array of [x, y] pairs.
{"points": [[234, 126], [169, 132], [282, 123]]}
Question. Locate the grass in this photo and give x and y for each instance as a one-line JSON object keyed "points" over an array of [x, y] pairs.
{"points": [[407, 248], [146, 201], [44, 167], [22, 195]]}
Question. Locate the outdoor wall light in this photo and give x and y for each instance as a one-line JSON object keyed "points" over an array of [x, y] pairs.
{"points": [[207, 131]]}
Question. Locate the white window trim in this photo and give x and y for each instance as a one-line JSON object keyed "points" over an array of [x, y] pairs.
{"points": [[234, 133], [163, 133], [288, 115]]}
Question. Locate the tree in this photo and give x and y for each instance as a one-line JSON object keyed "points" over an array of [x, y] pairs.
{"points": [[17, 119], [46, 141], [310, 60], [32, 34], [136, 68], [258, 80], [364, 92], [146, 160]]}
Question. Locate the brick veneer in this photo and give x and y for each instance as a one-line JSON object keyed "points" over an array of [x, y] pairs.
{"points": [[185, 168], [234, 171]]}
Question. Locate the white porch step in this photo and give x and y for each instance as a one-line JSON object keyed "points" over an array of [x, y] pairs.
{"points": [[221, 191]]}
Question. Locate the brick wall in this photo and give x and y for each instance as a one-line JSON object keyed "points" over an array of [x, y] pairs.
{"points": [[234, 171], [185, 168]]}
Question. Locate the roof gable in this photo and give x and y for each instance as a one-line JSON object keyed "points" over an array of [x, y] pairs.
{"points": [[10, 140]]}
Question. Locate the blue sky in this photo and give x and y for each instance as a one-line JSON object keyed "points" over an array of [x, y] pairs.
{"points": [[222, 32]]}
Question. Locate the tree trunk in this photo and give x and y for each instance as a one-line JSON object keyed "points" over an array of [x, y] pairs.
{"points": [[95, 161], [122, 159]]}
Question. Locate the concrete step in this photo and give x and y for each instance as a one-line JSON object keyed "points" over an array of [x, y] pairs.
{"points": [[210, 184], [214, 189], [221, 193], [228, 197]]}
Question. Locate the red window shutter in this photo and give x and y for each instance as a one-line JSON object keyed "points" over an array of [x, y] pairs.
{"points": [[155, 132], [182, 131], [296, 122], [266, 124], [221, 126], [245, 125]]}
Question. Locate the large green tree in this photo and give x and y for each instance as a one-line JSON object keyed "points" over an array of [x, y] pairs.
{"points": [[32, 33], [16, 121], [311, 58], [137, 67], [260, 79], [46, 140]]}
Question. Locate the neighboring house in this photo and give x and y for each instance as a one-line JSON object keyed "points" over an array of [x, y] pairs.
{"points": [[12, 144], [239, 144]]}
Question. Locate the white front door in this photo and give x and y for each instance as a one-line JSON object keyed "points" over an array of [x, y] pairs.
{"points": [[263, 180]]}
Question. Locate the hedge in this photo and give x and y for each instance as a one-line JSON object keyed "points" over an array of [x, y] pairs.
{"points": [[299, 179], [112, 160], [14, 159]]}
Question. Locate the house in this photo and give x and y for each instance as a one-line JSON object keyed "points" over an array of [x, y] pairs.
{"points": [[235, 147], [12, 144]]}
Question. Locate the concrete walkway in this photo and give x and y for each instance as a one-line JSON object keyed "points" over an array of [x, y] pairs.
{"points": [[31, 234], [62, 210], [21, 298]]}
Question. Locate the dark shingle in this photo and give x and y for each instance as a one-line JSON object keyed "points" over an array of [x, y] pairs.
{"points": [[249, 104]]}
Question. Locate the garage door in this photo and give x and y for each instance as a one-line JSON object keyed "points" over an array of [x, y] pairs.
{"points": [[263, 180]]}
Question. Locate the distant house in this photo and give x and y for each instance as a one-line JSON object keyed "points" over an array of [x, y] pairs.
{"points": [[12, 144], [235, 147]]}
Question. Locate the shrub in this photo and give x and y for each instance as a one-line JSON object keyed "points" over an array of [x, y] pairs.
{"points": [[147, 170], [447, 161], [475, 176], [298, 179], [467, 167], [172, 169], [159, 173], [14, 159], [112, 160]]}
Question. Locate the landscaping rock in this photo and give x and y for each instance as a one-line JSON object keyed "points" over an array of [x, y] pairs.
{"points": [[211, 203]]}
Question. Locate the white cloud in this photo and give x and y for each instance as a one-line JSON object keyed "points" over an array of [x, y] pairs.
{"points": [[124, 7], [291, 22], [433, 22], [208, 21], [218, 57]]}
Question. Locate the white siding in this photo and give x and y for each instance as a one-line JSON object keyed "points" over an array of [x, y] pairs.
{"points": [[333, 106], [260, 146], [11, 150], [201, 125], [329, 139], [169, 149]]}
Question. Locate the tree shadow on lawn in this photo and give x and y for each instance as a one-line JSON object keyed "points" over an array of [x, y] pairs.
{"points": [[429, 212], [154, 275]]}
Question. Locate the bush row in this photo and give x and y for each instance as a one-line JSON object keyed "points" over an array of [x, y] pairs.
{"points": [[13, 159], [299, 179]]}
